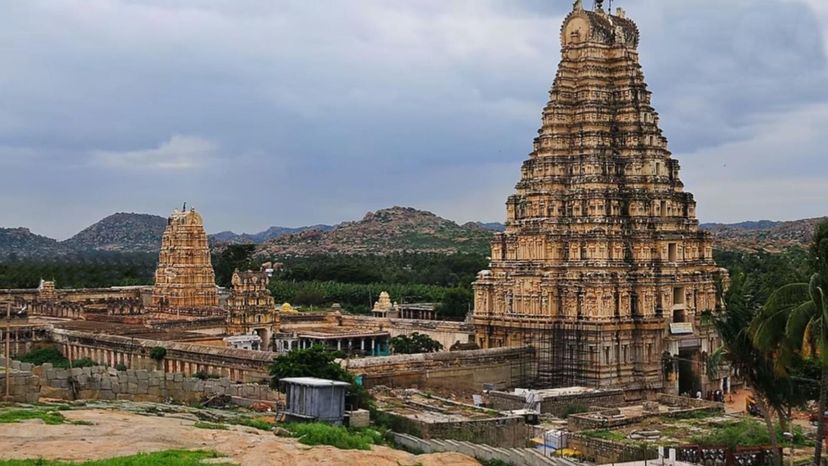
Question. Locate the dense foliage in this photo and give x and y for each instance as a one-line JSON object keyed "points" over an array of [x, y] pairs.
{"points": [[761, 273], [234, 256], [317, 361], [449, 271], [54, 357], [86, 271], [415, 343], [318, 433]]}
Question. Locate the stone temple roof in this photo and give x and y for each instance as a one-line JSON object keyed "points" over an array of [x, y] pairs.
{"points": [[605, 27]]}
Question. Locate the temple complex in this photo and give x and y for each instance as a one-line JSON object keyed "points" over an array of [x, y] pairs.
{"points": [[251, 308], [602, 266], [185, 278]]}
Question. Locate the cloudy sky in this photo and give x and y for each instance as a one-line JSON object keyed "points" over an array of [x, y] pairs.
{"points": [[293, 112]]}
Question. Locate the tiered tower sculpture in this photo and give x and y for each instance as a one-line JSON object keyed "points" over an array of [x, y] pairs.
{"points": [[251, 308], [602, 266], [184, 278]]}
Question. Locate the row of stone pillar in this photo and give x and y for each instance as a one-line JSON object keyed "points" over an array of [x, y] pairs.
{"points": [[131, 360], [376, 346]]}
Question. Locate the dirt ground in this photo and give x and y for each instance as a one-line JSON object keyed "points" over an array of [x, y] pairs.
{"points": [[118, 433]]}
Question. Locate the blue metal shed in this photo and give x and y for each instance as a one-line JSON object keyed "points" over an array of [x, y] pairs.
{"points": [[312, 399]]}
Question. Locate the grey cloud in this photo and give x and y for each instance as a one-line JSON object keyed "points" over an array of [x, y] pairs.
{"points": [[323, 110]]}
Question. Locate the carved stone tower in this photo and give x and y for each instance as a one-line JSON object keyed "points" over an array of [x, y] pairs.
{"points": [[252, 310], [602, 266], [184, 277]]}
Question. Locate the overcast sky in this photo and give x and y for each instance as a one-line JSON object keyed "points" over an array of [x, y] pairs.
{"points": [[281, 112]]}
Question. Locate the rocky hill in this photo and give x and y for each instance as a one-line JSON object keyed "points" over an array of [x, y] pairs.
{"points": [[398, 229], [763, 235], [229, 237], [22, 243], [121, 232]]}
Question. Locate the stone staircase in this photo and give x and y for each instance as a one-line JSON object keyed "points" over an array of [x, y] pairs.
{"points": [[512, 456]]}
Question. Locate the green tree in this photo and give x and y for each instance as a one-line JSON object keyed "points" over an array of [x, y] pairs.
{"points": [[455, 304], [794, 323], [317, 361], [414, 343], [233, 257], [754, 365]]}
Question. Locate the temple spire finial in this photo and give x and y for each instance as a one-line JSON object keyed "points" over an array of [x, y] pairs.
{"points": [[599, 5], [578, 5]]}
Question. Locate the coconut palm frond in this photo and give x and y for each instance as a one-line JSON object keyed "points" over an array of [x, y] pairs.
{"points": [[768, 329]]}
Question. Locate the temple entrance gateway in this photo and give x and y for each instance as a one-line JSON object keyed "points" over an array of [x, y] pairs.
{"points": [[689, 372], [601, 264]]}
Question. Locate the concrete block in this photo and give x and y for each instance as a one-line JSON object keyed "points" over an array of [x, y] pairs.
{"points": [[359, 418]]}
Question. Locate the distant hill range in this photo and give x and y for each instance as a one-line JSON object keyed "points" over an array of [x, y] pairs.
{"points": [[120, 232], [386, 231], [764, 235], [398, 229], [228, 237]]}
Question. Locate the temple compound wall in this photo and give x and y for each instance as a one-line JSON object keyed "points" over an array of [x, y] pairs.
{"points": [[134, 353], [447, 333], [105, 383], [455, 371], [602, 266]]}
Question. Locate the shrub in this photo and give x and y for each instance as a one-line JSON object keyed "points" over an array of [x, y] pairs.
{"points": [[205, 375], [415, 343], [41, 356], [158, 353], [574, 408], [120, 367], [317, 433], [83, 362]]}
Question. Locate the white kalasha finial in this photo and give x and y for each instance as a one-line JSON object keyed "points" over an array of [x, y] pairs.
{"points": [[578, 5]]}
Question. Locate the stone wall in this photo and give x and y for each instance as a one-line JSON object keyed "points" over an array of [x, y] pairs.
{"points": [[455, 371], [102, 383], [186, 358], [24, 386], [610, 419], [445, 332], [506, 432], [605, 451], [558, 405]]}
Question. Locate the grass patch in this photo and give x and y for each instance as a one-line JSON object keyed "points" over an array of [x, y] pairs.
{"points": [[703, 414], [574, 408], [317, 433], [161, 458], [604, 434], [209, 425], [256, 423], [747, 433], [493, 462], [82, 423], [49, 417]]}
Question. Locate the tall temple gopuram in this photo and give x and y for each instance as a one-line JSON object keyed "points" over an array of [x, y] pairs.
{"points": [[602, 266], [184, 278]]}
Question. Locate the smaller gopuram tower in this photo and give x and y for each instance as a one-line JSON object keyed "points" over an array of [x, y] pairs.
{"points": [[185, 277], [251, 308]]}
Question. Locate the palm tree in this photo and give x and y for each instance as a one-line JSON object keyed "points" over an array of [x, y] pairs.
{"points": [[794, 323], [755, 366]]}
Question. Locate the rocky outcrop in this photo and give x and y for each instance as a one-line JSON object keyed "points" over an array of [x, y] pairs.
{"points": [[387, 231]]}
